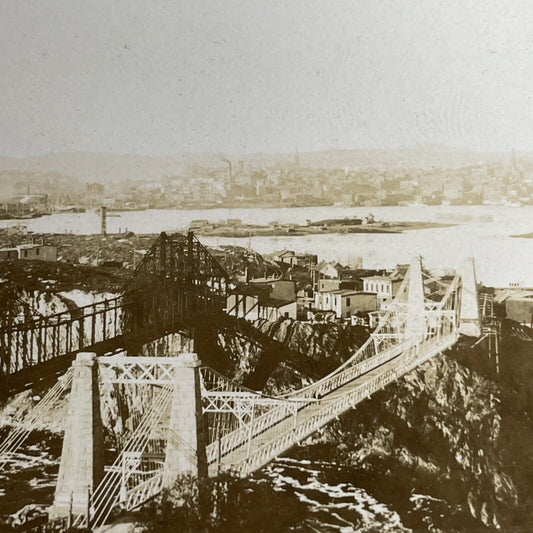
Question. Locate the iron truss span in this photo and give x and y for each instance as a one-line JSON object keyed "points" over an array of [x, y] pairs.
{"points": [[177, 282]]}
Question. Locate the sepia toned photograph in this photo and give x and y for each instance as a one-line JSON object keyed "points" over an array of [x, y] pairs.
{"points": [[266, 266]]}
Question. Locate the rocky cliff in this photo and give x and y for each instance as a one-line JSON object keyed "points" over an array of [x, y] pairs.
{"points": [[286, 354], [441, 431], [449, 433]]}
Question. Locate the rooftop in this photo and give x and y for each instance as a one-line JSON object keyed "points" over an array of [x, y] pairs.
{"points": [[274, 302], [26, 246], [343, 292]]}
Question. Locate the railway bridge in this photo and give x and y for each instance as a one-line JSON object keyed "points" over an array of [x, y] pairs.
{"points": [[177, 283]]}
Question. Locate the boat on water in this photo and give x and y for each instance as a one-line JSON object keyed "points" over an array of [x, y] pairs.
{"points": [[70, 209], [353, 221]]}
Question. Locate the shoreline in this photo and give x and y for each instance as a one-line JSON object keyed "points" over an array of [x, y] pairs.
{"points": [[293, 230]]}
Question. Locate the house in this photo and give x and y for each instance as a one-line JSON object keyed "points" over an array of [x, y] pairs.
{"points": [[520, 309], [270, 300], [345, 302], [8, 253], [331, 270], [385, 287], [286, 256], [400, 271], [278, 288], [293, 259], [273, 309], [328, 285], [42, 252]]}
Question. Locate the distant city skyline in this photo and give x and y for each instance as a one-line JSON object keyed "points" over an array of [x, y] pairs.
{"points": [[285, 154], [250, 77]]}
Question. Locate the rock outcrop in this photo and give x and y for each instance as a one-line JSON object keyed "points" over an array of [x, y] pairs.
{"points": [[444, 430]]}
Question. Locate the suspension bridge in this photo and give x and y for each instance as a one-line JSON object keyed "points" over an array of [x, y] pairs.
{"points": [[172, 415]]}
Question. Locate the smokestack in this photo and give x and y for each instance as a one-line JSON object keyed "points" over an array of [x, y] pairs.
{"points": [[103, 212], [231, 184]]}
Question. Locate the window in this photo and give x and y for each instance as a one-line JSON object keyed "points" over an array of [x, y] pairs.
{"points": [[25, 253], [37, 251], [347, 301]]}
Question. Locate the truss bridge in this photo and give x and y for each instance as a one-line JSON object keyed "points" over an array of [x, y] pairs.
{"points": [[176, 282]]}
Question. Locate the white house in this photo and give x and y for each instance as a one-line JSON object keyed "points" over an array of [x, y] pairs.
{"points": [[328, 285], [42, 252], [384, 287], [273, 309], [345, 302], [198, 225]]}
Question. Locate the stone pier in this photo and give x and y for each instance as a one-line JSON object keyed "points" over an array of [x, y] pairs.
{"points": [[415, 326], [186, 443], [82, 465], [469, 316]]}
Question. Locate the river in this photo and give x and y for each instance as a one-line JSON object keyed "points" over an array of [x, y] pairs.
{"points": [[482, 232]]}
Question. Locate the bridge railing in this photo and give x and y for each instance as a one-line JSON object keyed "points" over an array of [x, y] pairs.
{"points": [[441, 324], [303, 424], [390, 326], [30, 341], [286, 409]]}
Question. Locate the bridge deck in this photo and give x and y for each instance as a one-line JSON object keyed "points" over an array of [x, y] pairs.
{"points": [[277, 439]]}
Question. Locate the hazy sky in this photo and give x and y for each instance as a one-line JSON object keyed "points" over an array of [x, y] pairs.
{"points": [[157, 78]]}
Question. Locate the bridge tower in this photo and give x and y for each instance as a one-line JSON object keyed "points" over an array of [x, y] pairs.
{"points": [[186, 441], [469, 317], [82, 461], [416, 324]]}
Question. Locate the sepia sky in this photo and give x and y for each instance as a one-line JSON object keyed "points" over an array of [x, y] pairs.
{"points": [[160, 78]]}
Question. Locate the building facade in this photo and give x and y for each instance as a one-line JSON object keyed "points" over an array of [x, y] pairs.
{"points": [[383, 286], [40, 252], [345, 302], [263, 300]]}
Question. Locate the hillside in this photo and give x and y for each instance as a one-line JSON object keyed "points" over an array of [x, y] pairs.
{"points": [[102, 167]]}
